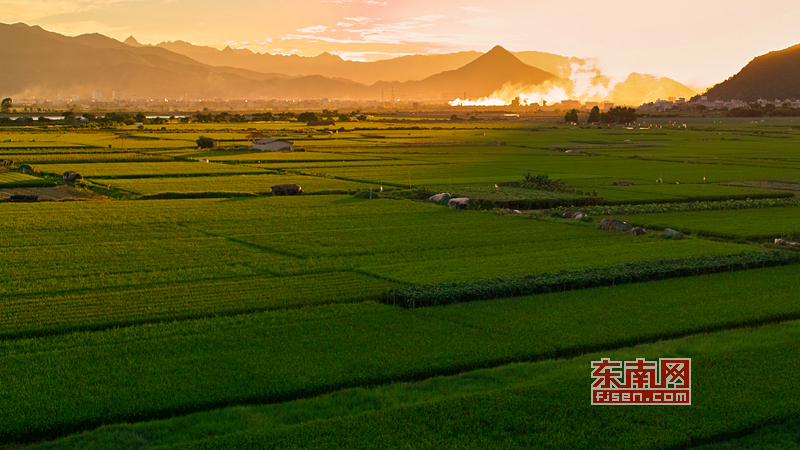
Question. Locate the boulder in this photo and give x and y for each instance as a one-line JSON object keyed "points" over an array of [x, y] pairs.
{"points": [[574, 214], [613, 224], [638, 231], [439, 197], [458, 203], [71, 177], [672, 234], [286, 189]]}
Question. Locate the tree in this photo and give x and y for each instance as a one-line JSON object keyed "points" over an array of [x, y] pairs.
{"points": [[205, 142], [69, 116], [308, 117], [140, 117], [620, 115], [571, 116], [6, 105], [594, 115]]}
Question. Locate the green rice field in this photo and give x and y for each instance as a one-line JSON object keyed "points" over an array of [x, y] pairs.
{"points": [[180, 305]]}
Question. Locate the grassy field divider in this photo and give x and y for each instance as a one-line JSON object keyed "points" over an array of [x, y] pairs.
{"points": [[28, 184], [186, 195], [638, 272], [655, 208]]}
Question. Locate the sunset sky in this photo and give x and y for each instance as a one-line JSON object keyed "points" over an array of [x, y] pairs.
{"points": [[697, 42]]}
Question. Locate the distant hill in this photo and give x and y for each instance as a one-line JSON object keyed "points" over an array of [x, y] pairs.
{"points": [[775, 75], [480, 78], [39, 63], [43, 64], [404, 68], [639, 88]]}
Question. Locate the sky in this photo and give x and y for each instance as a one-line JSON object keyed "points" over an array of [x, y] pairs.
{"points": [[696, 42]]}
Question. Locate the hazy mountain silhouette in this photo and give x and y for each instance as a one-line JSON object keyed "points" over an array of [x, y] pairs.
{"points": [[639, 88], [43, 64], [771, 76], [480, 78], [38, 63], [404, 68], [635, 90]]}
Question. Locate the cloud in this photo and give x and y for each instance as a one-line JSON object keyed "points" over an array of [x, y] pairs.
{"points": [[368, 56], [429, 18], [476, 9], [360, 19], [371, 2], [314, 29]]}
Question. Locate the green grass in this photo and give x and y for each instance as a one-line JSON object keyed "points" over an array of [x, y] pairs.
{"points": [[60, 158], [780, 435], [20, 180], [128, 311], [169, 259], [752, 224], [293, 419], [60, 384], [740, 380], [254, 184], [145, 169]]}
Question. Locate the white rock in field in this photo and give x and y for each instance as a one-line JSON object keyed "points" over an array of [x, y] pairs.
{"points": [[439, 197], [458, 203]]}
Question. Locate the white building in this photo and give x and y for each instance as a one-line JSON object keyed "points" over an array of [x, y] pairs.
{"points": [[97, 95], [117, 95], [273, 145]]}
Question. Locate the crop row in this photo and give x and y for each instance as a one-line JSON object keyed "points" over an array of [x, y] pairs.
{"points": [[77, 158], [238, 183], [487, 289], [653, 208], [753, 224], [741, 380], [143, 169], [59, 384], [257, 423]]}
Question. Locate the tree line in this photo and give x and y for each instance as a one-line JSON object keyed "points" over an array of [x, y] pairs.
{"points": [[619, 115]]}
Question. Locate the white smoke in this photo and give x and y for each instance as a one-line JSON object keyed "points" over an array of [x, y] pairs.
{"points": [[486, 101], [585, 82]]}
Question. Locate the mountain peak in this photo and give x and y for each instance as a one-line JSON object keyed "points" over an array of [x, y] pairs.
{"points": [[327, 56], [132, 42]]}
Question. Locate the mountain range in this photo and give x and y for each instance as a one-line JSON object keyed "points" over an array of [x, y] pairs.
{"points": [[39, 63]]}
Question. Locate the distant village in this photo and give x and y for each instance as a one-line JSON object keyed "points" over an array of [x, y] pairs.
{"points": [[120, 101]]}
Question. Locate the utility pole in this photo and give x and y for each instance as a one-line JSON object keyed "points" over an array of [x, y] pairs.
{"points": [[383, 101]]}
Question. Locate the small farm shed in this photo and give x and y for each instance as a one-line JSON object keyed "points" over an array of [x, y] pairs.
{"points": [[273, 145], [286, 189], [71, 177]]}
